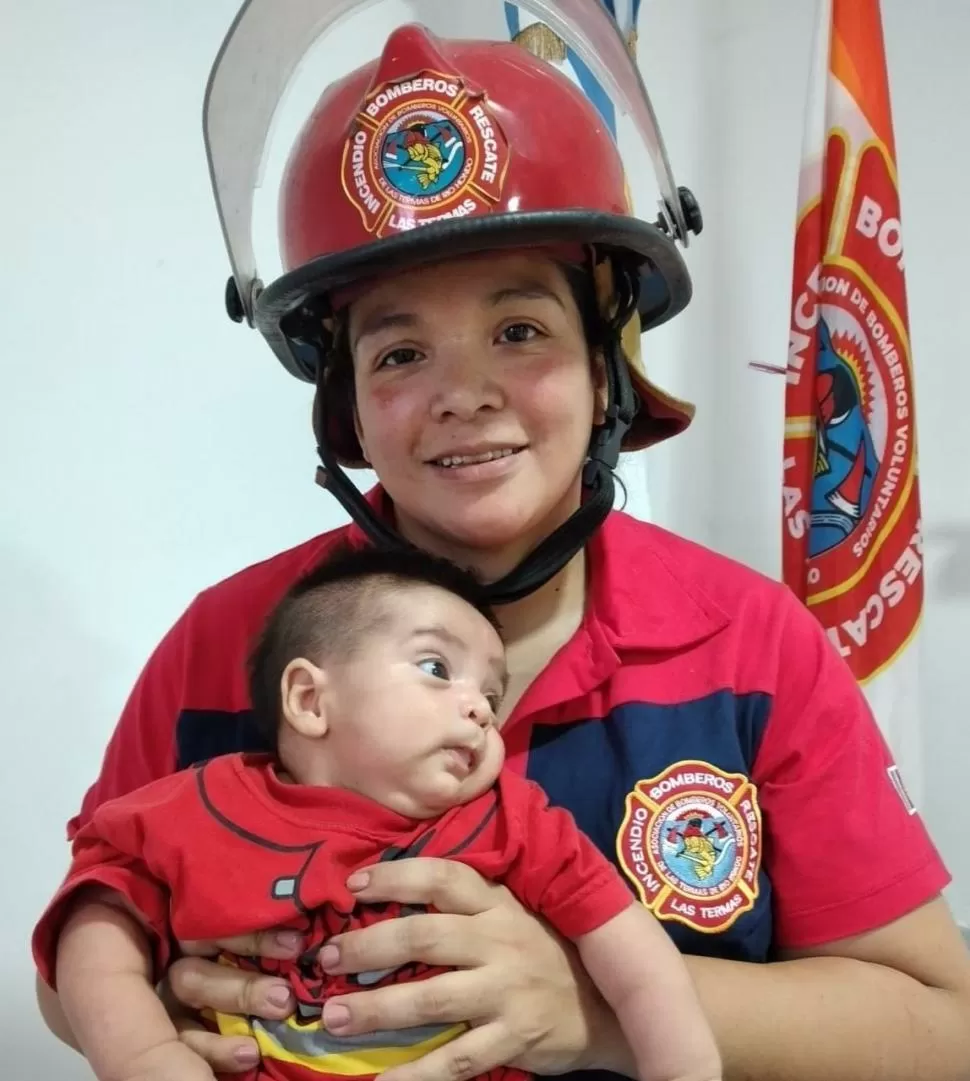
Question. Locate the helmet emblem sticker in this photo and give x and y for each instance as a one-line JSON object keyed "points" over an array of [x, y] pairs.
{"points": [[423, 150]]}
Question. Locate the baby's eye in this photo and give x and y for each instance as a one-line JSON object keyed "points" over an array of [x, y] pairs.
{"points": [[434, 666], [494, 702]]}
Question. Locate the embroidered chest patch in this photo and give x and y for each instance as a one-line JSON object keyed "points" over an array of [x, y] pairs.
{"points": [[690, 842]]}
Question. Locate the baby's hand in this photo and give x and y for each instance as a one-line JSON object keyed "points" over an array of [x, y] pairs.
{"points": [[169, 1061]]}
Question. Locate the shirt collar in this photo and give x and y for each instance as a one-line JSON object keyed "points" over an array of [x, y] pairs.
{"points": [[641, 590], [640, 594]]}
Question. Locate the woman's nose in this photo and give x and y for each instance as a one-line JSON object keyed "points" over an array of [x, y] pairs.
{"points": [[465, 386]]}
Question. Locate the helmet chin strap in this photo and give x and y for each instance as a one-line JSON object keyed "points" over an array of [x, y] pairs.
{"points": [[549, 557]]}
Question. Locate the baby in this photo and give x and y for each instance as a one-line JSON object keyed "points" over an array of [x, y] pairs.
{"points": [[377, 678]]}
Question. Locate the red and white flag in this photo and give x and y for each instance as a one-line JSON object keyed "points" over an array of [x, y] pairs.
{"points": [[852, 548]]}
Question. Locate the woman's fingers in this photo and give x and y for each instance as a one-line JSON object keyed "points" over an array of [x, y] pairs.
{"points": [[471, 933], [449, 998], [470, 1055], [225, 1054], [201, 984], [445, 937], [431, 938], [280, 945], [445, 885]]}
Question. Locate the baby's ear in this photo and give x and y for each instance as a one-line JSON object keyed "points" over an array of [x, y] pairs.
{"points": [[303, 695]]}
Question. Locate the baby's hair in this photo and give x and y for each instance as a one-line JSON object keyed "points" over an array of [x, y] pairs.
{"points": [[330, 611]]}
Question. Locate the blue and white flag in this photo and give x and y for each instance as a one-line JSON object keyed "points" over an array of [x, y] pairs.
{"points": [[523, 26]]}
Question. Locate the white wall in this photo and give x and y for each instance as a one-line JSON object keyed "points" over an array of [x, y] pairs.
{"points": [[149, 446]]}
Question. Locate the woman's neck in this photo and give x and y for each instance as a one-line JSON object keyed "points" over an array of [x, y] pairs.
{"points": [[538, 623], [534, 628], [488, 563], [553, 611]]}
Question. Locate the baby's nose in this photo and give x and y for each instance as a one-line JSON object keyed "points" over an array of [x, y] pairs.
{"points": [[477, 709]]}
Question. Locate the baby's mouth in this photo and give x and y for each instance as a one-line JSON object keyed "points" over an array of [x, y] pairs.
{"points": [[466, 757]]}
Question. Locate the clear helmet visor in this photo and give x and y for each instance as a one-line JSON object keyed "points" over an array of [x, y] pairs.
{"points": [[279, 56]]}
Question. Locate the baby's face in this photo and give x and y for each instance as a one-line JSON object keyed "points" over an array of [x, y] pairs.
{"points": [[412, 712]]}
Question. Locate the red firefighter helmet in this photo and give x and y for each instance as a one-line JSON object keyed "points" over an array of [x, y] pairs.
{"points": [[442, 147], [429, 152]]}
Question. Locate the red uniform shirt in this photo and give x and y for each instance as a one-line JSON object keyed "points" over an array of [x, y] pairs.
{"points": [[699, 726], [226, 848]]}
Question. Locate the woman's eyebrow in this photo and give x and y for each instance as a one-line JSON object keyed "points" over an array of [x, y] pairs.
{"points": [[382, 320], [528, 290]]}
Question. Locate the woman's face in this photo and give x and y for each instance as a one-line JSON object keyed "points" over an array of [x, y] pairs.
{"points": [[475, 400]]}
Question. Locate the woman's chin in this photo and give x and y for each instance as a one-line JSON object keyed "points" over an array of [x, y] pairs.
{"points": [[491, 527], [499, 523]]}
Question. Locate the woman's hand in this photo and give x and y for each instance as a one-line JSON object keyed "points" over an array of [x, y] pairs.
{"points": [[529, 1002], [168, 1062], [195, 983]]}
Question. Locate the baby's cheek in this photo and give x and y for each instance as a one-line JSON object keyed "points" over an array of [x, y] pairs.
{"points": [[496, 750]]}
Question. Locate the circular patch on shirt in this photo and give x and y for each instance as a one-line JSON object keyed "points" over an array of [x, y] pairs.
{"points": [[690, 842]]}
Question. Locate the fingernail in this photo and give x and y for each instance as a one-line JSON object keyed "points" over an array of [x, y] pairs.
{"points": [[329, 956], [358, 880], [279, 996], [247, 1057], [335, 1016], [288, 940]]}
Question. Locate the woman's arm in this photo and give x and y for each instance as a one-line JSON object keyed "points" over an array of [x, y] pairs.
{"points": [[892, 1004]]}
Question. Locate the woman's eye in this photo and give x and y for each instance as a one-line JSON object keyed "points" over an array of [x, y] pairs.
{"points": [[519, 332], [434, 666], [398, 358]]}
